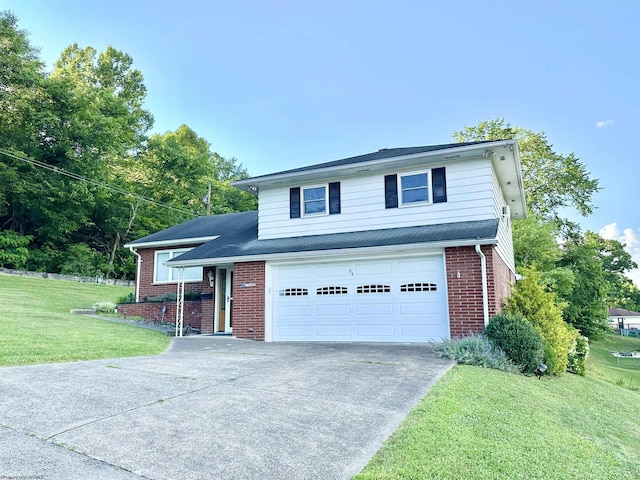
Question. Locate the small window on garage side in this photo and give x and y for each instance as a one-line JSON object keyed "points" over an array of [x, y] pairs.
{"points": [[418, 287], [414, 188], [331, 291], [373, 289], [293, 292]]}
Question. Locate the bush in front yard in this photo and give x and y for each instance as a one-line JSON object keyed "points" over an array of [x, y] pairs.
{"points": [[539, 307], [105, 307], [578, 353], [477, 350], [518, 339]]}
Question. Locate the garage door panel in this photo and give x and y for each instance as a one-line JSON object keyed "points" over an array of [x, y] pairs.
{"points": [[292, 273], [294, 331], [374, 309], [395, 300], [331, 271], [285, 311], [375, 331], [422, 266], [343, 310], [421, 308], [372, 268], [334, 331], [426, 330]]}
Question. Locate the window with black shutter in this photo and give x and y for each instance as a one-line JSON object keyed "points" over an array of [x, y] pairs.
{"points": [[334, 198], [391, 191], [439, 185], [294, 202]]}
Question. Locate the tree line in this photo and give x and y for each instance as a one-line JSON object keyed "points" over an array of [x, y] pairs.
{"points": [[79, 173], [80, 176]]}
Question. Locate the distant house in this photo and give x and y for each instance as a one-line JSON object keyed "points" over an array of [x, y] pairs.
{"points": [[400, 245], [624, 319]]}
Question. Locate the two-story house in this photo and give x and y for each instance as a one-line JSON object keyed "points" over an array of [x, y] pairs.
{"points": [[400, 245]]}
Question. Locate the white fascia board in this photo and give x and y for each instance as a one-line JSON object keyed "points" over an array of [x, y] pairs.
{"points": [[245, 184], [171, 243], [344, 252]]}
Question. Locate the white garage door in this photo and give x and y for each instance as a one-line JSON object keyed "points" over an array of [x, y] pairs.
{"points": [[393, 300]]}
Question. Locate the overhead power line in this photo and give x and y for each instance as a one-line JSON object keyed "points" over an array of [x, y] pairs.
{"points": [[81, 178]]}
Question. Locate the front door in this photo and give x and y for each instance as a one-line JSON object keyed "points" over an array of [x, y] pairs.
{"points": [[225, 298]]}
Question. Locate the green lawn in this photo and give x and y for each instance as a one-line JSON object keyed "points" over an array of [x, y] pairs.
{"points": [[484, 424], [36, 326], [605, 366]]}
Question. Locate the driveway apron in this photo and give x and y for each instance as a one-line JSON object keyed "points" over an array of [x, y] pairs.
{"points": [[212, 407]]}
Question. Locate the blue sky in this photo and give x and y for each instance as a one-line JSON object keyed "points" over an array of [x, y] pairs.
{"points": [[280, 84]]}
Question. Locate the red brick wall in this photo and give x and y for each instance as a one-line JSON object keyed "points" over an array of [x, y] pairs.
{"points": [[203, 319], [148, 288], [153, 311], [465, 293], [248, 301], [503, 278]]}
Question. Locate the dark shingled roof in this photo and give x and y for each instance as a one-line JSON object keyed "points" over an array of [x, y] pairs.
{"points": [[203, 227], [621, 312], [379, 155], [241, 239]]}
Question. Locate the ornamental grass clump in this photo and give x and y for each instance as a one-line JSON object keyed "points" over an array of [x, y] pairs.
{"points": [[477, 350]]}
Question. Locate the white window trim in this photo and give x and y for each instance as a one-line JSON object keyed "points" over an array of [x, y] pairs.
{"points": [[172, 271], [326, 200], [401, 203]]}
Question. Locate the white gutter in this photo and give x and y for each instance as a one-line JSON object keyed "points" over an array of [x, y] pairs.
{"points": [[135, 252], [485, 294], [172, 243], [349, 252]]}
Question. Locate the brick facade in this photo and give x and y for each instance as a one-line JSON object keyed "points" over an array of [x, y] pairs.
{"points": [[248, 300], [466, 312], [153, 311], [148, 288], [198, 314], [464, 281]]}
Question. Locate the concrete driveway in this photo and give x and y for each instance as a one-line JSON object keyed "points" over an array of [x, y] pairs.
{"points": [[211, 407]]}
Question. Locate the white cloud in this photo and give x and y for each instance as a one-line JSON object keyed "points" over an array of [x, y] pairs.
{"points": [[631, 239], [604, 123]]}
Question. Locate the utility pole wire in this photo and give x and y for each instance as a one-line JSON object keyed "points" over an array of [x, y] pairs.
{"points": [[75, 176]]}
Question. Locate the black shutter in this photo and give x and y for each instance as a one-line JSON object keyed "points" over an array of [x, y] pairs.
{"points": [[294, 202], [439, 185], [391, 191], [334, 198]]}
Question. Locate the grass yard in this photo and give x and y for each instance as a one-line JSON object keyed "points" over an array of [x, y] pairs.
{"points": [[485, 424], [36, 326], [605, 366]]}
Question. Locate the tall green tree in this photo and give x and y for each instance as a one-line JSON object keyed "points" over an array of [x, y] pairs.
{"points": [[552, 180], [586, 306]]}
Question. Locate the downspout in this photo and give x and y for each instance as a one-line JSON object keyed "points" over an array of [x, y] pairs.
{"points": [[135, 252], [485, 294]]}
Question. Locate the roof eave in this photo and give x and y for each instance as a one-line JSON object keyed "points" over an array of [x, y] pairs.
{"points": [[331, 252], [253, 184], [171, 243]]}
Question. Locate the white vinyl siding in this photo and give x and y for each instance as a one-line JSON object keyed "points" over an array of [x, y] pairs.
{"points": [[505, 238], [470, 197], [165, 274]]}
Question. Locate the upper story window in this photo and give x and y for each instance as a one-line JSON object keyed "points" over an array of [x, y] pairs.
{"points": [[415, 188], [314, 200], [164, 274]]}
